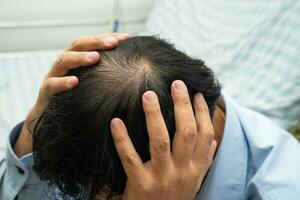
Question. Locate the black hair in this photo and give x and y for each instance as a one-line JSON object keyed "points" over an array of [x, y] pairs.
{"points": [[72, 143]]}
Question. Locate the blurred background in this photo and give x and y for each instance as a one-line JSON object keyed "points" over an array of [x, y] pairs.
{"points": [[42, 25], [253, 46]]}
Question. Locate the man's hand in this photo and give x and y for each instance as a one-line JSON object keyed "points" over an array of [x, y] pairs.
{"points": [[175, 175], [76, 55]]}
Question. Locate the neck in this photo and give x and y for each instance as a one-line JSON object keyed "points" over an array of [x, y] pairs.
{"points": [[219, 124]]}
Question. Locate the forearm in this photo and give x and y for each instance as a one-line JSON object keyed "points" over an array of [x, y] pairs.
{"points": [[23, 144]]}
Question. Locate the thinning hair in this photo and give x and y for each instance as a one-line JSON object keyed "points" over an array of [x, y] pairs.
{"points": [[72, 143]]}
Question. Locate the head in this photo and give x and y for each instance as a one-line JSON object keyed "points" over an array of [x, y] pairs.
{"points": [[72, 143]]}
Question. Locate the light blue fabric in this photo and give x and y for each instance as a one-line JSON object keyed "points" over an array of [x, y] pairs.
{"points": [[255, 160]]}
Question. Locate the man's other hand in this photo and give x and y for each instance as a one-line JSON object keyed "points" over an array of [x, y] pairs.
{"points": [[79, 53]]}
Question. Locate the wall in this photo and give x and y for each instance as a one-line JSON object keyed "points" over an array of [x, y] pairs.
{"points": [[28, 25]]}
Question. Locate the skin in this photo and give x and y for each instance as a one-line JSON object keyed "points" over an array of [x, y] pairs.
{"points": [[176, 174], [79, 53]]}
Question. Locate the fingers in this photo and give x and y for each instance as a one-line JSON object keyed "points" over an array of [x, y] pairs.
{"points": [[206, 162], [104, 41], [204, 127], [121, 36], [186, 130], [211, 152], [131, 161], [157, 131], [73, 58], [70, 60], [55, 85]]}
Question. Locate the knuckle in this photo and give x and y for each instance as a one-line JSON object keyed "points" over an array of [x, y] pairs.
{"points": [[73, 44], [189, 133], [153, 111], [202, 107], [64, 54], [60, 60], [79, 57], [161, 146], [129, 158], [46, 86], [184, 100], [120, 138], [76, 43], [209, 136], [206, 163]]}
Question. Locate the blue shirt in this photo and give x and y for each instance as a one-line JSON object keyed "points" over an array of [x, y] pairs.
{"points": [[256, 160]]}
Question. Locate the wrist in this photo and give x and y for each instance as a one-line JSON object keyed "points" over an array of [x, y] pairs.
{"points": [[23, 144]]}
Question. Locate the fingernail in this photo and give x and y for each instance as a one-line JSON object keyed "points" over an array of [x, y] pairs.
{"points": [[199, 96], [110, 40], [123, 36], [71, 81], [91, 56], [115, 123], [150, 97], [180, 86]]}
